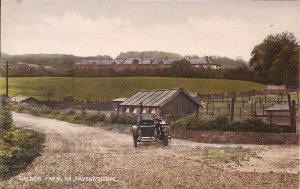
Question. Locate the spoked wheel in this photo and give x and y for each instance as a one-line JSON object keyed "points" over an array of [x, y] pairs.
{"points": [[135, 135], [166, 139], [135, 142]]}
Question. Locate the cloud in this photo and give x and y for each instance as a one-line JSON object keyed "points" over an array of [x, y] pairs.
{"points": [[91, 28]]}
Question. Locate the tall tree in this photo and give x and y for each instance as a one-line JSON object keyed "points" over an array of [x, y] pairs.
{"points": [[181, 68], [276, 60]]}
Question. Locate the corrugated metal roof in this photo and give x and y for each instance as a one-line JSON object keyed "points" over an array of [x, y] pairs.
{"points": [[275, 87], [194, 94], [153, 98], [119, 100], [279, 107], [170, 61], [198, 61]]}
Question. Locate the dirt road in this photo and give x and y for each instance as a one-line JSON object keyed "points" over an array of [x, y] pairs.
{"points": [[77, 156]]}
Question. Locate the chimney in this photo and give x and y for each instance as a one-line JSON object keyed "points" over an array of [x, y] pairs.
{"points": [[207, 59]]}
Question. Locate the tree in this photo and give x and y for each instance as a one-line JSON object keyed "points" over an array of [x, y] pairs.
{"points": [[275, 60], [181, 68]]}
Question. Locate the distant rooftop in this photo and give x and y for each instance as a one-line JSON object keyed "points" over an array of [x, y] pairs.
{"points": [[154, 98]]}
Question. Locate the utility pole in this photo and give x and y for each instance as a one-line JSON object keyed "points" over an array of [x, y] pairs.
{"points": [[6, 78], [6, 66]]}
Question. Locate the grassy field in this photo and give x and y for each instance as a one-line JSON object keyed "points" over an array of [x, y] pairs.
{"points": [[105, 89]]}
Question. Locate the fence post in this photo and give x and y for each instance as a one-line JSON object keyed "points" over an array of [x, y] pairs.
{"points": [[294, 126], [254, 109], [240, 114], [243, 102], [249, 97], [265, 97], [263, 109], [292, 113], [259, 102], [228, 108], [206, 108], [232, 107]]}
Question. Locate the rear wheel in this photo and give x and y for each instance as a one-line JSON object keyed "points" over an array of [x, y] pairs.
{"points": [[135, 135], [135, 142]]}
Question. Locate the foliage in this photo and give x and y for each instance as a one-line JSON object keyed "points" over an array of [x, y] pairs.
{"points": [[106, 89], [222, 123], [181, 68], [5, 117], [123, 119], [73, 117], [17, 147], [275, 60]]}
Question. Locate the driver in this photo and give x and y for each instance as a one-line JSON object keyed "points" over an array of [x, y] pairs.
{"points": [[158, 126]]}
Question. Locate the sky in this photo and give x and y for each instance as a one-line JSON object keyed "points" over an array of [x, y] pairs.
{"points": [[99, 27]]}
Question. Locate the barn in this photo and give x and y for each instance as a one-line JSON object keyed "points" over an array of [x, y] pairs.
{"points": [[116, 102], [170, 104], [280, 114]]}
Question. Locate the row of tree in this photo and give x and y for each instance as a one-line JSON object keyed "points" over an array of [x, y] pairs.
{"points": [[274, 61]]}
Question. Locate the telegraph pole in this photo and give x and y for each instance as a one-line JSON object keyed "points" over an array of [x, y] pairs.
{"points": [[6, 79]]}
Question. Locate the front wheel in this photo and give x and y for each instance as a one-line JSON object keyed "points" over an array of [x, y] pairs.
{"points": [[135, 135], [166, 139]]}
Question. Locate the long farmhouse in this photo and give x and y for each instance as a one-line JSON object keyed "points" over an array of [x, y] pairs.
{"points": [[142, 63], [171, 104]]}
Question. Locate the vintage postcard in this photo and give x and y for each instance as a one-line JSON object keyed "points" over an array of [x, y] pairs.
{"points": [[149, 94]]}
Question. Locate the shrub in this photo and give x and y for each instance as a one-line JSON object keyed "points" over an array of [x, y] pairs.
{"points": [[17, 147], [123, 119], [222, 123], [5, 117]]}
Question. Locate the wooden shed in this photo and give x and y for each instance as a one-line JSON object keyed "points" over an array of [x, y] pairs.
{"points": [[279, 114], [196, 96], [116, 102], [171, 104], [31, 100]]}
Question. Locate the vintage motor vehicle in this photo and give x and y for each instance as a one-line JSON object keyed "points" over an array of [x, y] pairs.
{"points": [[149, 129]]}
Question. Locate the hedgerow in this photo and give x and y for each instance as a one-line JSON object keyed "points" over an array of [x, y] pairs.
{"points": [[222, 123], [18, 147]]}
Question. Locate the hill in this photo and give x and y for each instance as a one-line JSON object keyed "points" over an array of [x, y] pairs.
{"points": [[108, 88], [62, 61]]}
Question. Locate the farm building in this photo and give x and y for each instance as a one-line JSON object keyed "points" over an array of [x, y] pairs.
{"points": [[31, 100], [168, 103], [279, 89], [142, 63], [116, 102], [279, 114], [196, 96]]}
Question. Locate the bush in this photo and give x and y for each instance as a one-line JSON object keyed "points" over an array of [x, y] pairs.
{"points": [[222, 123], [5, 117], [123, 119], [17, 147], [18, 150]]}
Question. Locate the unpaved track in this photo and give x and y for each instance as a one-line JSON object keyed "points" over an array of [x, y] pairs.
{"points": [[73, 151]]}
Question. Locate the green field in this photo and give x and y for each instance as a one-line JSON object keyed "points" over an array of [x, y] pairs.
{"points": [[101, 89]]}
